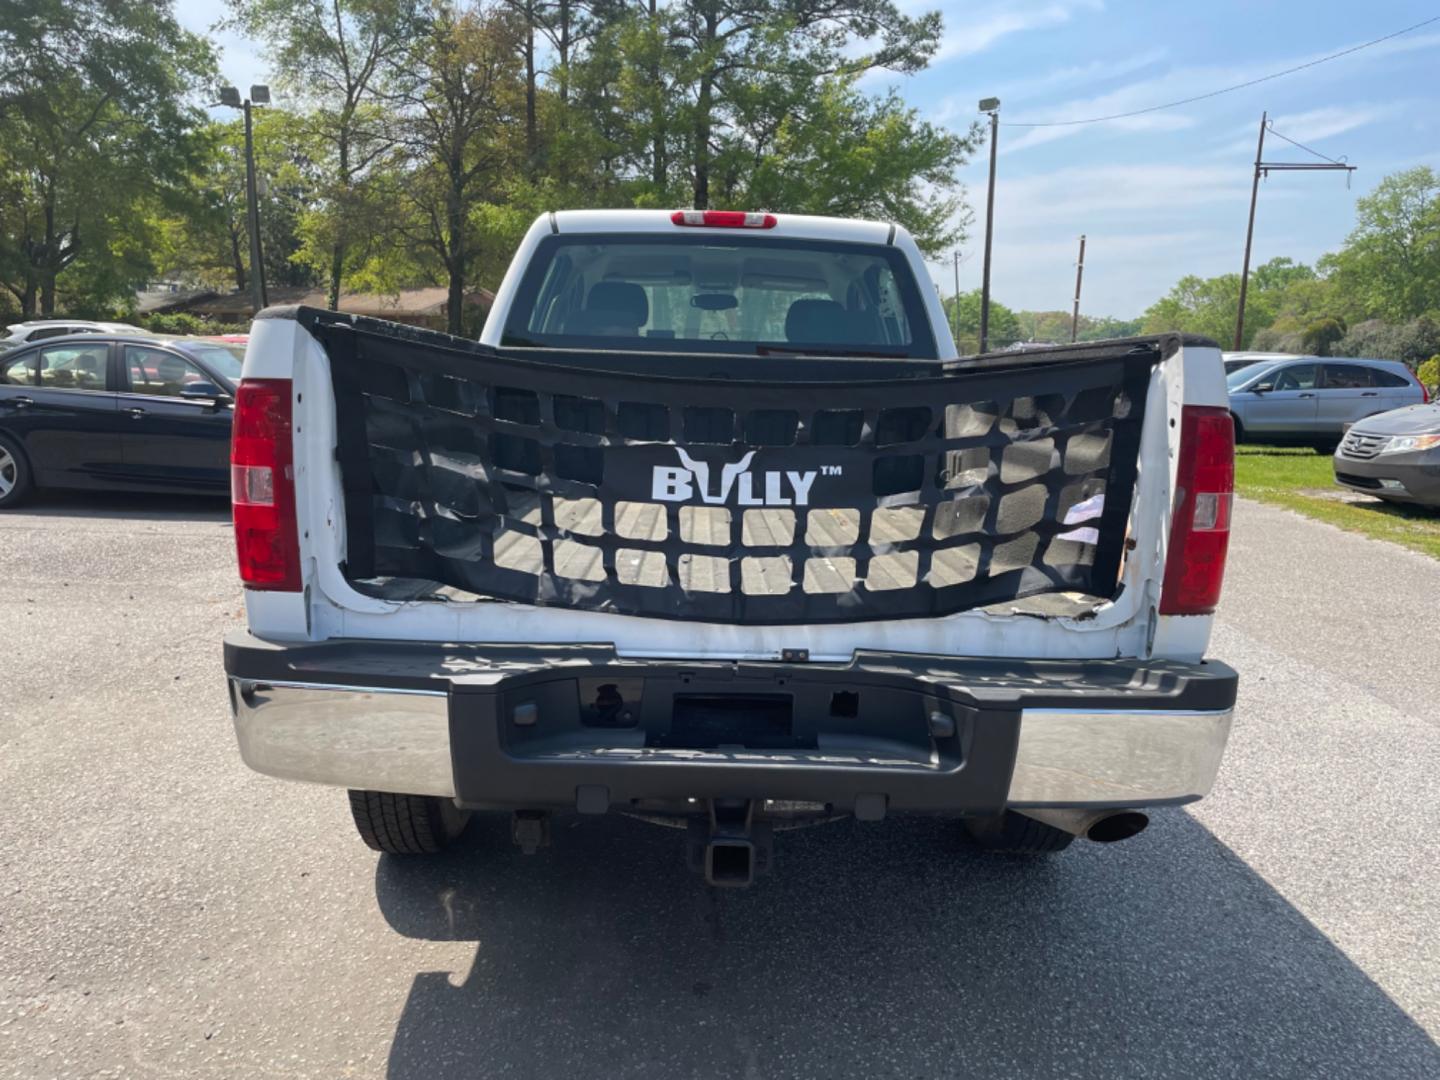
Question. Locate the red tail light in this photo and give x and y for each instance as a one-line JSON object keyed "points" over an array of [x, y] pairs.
{"points": [[262, 486], [1424, 394], [724, 219], [1200, 530]]}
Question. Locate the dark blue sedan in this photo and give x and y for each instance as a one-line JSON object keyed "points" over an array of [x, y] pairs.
{"points": [[117, 411]]}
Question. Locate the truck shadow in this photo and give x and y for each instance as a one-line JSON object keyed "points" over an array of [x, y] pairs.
{"points": [[879, 951]]}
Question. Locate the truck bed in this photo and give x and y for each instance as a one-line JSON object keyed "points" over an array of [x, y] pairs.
{"points": [[773, 490]]}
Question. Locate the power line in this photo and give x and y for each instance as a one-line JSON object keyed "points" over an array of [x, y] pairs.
{"points": [[1228, 89], [1302, 146]]}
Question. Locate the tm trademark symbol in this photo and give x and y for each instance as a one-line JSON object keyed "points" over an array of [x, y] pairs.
{"points": [[831, 470]]}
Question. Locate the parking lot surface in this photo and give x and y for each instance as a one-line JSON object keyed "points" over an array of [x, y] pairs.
{"points": [[165, 912]]}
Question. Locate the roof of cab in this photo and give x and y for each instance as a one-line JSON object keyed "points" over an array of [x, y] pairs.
{"points": [[797, 226]]}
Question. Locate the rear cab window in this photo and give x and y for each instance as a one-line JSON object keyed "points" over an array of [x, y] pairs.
{"points": [[709, 293]]}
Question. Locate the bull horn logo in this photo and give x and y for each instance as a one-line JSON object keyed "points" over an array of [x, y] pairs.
{"points": [[728, 475]]}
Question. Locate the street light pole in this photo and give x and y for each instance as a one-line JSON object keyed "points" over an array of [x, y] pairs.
{"points": [[1079, 277], [258, 296], [956, 317], [259, 95], [991, 106]]}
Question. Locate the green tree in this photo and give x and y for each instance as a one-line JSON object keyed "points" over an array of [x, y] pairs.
{"points": [[209, 245], [461, 96], [1005, 327], [844, 153], [1390, 264], [1053, 327], [97, 140], [331, 56], [1208, 306], [705, 85]]}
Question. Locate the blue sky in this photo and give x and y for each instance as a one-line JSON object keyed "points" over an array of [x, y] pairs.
{"points": [[1165, 194]]}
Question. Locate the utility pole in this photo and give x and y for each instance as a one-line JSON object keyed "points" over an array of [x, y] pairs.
{"points": [[1250, 234], [1079, 276], [991, 106], [1265, 168], [956, 319]]}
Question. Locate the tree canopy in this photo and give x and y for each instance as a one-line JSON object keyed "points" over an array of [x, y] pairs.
{"points": [[98, 134]]}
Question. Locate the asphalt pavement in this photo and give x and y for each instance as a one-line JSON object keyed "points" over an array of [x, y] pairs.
{"points": [[166, 913]]}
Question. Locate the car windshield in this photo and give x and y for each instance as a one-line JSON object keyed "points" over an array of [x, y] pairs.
{"points": [[715, 293], [225, 360]]}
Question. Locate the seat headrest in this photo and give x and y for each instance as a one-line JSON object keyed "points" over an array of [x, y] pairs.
{"points": [[817, 321], [623, 301], [170, 369]]}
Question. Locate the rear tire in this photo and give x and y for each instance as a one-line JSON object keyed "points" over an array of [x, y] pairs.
{"points": [[1015, 834], [406, 824], [1239, 429], [15, 476]]}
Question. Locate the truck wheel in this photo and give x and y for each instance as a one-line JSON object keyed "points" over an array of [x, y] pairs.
{"points": [[15, 480], [406, 824], [1016, 834], [1239, 429]]}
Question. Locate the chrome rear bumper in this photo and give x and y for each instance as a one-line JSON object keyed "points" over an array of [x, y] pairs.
{"points": [[399, 740], [349, 736]]}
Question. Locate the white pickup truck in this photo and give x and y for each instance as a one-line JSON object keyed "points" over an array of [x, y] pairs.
{"points": [[713, 527]]}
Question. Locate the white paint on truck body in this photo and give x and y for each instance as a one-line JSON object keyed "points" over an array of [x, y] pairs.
{"points": [[329, 607]]}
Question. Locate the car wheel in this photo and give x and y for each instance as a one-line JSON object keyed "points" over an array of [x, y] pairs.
{"points": [[1016, 834], [406, 824], [15, 478]]}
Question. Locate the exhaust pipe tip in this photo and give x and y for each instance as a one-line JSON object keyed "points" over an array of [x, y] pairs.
{"points": [[1102, 826], [1118, 826]]}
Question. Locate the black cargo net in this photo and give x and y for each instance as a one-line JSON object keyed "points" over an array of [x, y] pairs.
{"points": [[729, 500]]}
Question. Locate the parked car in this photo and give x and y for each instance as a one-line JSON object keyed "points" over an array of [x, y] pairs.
{"points": [[40, 329], [736, 456], [1234, 361], [1310, 400], [116, 411], [1394, 456]]}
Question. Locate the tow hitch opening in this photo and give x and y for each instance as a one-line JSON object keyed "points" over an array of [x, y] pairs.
{"points": [[729, 846]]}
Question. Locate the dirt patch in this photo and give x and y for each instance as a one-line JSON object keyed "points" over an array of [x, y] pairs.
{"points": [[1341, 495]]}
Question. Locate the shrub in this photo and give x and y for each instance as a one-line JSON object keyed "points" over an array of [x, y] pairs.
{"points": [[1429, 372], [178, 322], [1321, 334], [1411, 342]]}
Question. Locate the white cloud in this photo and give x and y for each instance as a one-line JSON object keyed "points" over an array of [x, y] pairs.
{"points": [[1181, 83], [961, 106], [969, 32], [1308, 127], [241, 62], [1075, 198]]}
